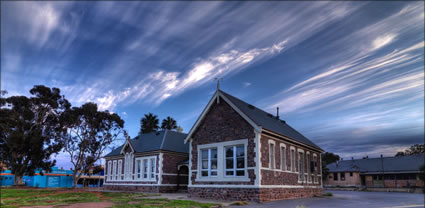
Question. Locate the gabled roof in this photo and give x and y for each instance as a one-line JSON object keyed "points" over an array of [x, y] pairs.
{"points": [[161, 140], [258, 118], [410, 163]]}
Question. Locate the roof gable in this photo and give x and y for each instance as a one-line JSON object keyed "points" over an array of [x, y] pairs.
{"points": [[256, 117], [155, 141]]}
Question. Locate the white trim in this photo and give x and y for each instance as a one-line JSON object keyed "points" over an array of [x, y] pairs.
{"points": [[220, 146], [125, 144], [292, 140], [161, 159], [248, 186], [201, 117], [293, 159], [163, 139], [148, 169], [283, 165], [207, 108], [120, 176], [257, 159], [138, 184], [272, 156], [279, 170], [190, 163]]}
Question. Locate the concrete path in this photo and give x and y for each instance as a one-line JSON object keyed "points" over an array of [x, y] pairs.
{"points": [[351, 199]]}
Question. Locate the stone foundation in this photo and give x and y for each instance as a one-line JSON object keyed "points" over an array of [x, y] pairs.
{"points": [[254, 194], [152, 189]]}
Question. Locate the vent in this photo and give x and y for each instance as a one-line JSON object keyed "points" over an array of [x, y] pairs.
{"points": [[157, 133], [251, 106], [270, 115], [283, 121]]}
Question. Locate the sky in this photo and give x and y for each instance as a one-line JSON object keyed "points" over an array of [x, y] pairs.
{"points": [[347, 75]]}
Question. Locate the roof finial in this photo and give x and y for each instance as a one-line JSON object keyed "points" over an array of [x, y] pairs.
{"points": [[218, 82]]}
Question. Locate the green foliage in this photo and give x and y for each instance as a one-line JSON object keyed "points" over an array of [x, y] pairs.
{"points": [[149, 123], [328, 158], [90, 132], [328, 194], [31, 130], [413, 150], [169, 123]]}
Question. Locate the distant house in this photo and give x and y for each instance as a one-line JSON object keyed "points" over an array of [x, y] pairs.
{"points": [[240, 152], [152, 162], [383, 172]]}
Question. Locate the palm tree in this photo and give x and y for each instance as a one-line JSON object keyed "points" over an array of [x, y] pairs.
{"points": [[169, 123], [149, 123]]}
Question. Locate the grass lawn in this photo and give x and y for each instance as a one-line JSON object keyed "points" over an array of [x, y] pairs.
{"points": [[11, 198]]}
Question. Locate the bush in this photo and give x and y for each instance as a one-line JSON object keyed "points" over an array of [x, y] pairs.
{"points": [[328, 194]]}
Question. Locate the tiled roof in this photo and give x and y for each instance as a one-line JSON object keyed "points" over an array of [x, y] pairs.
{"points": [[268, 121], [410, 163], [161, 140]]}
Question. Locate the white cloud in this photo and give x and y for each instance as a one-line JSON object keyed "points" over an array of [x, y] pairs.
{"points": [[247, 84], [383, 40]]}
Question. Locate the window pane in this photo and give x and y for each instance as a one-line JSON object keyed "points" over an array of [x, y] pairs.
{"points": [[213, 164], [138, 168], [229, 151], [204, 164], [229, 172], [204, 173], [240, 163], [240, 151], [213, 153], [204, 154], [240, 172], [229, 163], [213, 173]]}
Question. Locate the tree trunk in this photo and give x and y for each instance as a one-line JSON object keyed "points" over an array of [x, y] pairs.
{"points": [[75, 179], [19, 180]]}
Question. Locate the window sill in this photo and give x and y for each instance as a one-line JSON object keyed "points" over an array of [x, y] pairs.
{"points": [[226, 179]]}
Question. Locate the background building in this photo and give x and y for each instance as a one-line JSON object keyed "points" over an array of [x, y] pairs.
{"points": [[57, 178], [383, 172]]}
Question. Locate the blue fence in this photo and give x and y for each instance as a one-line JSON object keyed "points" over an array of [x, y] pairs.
{"points": [[54, 179]]}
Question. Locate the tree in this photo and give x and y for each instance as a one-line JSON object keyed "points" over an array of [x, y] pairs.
{"points": [[328, 158], [31, 130], [413, 150], [169, 123], [149, 123], [90, 131]]}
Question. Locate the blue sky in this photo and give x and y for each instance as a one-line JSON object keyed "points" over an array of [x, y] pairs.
{"points": [[348, 75]]}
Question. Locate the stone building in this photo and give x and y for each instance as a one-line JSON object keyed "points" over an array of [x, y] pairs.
{"points": [[150, 162], [240, 152], [384, 172]]}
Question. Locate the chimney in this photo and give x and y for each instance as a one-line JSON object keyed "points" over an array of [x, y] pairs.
{"points": [[342, 159], [381, 156], [277, 113], [352, 158]]}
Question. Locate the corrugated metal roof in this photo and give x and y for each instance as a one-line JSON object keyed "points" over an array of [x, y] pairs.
{"points": [[161, 140], [410, 163], [268, 121]]}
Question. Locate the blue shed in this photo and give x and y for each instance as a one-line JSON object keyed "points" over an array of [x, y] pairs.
{"points": [[55, 179]]}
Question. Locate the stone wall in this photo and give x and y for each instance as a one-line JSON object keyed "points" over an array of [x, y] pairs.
{"points": [[254, 194]]}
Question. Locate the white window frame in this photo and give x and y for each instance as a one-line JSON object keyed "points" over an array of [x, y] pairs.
{"points": [[272, 154], [150, 175], [209, 159], [234, 169], [221, 162], [128, 166], [308, 160], [114, 172], [293, 159], [120, 170], [283, 165], [301, 174], [110, 169], [316, 168]]}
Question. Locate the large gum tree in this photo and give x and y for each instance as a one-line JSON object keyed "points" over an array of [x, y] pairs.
{"points": [[31, 130], [90, 132]]}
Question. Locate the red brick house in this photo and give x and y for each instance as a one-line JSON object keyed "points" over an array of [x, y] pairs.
{"points": [[148, 163], [239, 152]]}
